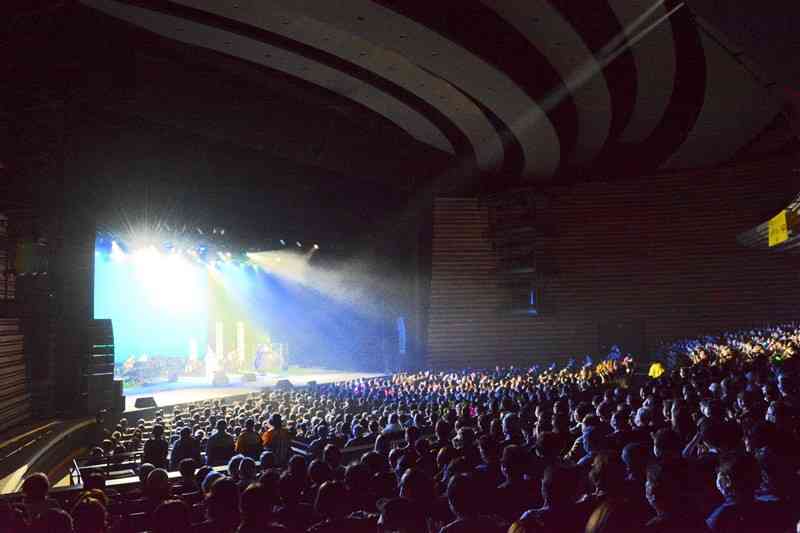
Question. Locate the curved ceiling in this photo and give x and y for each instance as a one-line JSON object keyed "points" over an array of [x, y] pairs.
{"points": [[534, 90]]}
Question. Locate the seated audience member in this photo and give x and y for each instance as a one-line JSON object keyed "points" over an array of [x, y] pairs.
{"points": [[738, 478], [171, 516], [248, 443], [489, 472], [157, 488], [233, 466], [393, 426], [220, 447], [594, 442], [222, 508], [186, 447], [207, 483], [293, 513], [49, 521], [418, 488], [35, 490], [267, 460], [359, 438], [560, 485], [675, 512], [608, 478], [333, 458], [516, 494], [257, 503], [188, 482], [156, 448], [333, 507], [401, 516], [636, 457], [248, 473], [465, 499], [201, 474], [89, 516]]}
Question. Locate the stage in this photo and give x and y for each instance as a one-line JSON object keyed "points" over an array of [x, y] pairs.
{"points": [[194, 389]]}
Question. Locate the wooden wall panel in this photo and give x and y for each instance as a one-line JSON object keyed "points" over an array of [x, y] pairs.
{"points": [[15, 400], [661, 249]]}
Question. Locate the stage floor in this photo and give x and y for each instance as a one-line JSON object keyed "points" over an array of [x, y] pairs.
{"points": [[193, 389]]}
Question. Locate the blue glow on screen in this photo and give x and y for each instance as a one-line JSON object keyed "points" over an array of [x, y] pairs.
{"points": [[158, 303]]}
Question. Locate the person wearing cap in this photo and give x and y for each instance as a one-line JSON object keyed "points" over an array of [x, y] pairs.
{"points": [[277, 440]]}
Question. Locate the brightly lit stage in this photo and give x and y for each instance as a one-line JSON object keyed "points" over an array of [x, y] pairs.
{"points": [[193, 389]]}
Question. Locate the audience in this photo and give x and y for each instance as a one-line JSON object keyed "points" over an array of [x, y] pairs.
{"points": [[710, 444]]}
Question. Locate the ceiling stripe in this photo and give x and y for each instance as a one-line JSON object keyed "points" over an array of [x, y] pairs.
{"points": [[514, 158], [545, 28], [719, 131], [688, 95], [383, 62], [449, 60], [598, 25], [654, 57], [420, 119], [488, 36]]}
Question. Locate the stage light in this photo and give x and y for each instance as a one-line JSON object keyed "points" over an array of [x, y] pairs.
{"points": [[299, 244], [222, 232], [283, 242], [316, 246], [117, 254]]}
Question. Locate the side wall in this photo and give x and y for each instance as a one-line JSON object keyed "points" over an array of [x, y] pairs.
{"points": [[660, 251]]}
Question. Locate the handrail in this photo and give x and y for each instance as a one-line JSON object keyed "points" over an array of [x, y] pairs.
{"points": [[75, 477], [44, 434]]}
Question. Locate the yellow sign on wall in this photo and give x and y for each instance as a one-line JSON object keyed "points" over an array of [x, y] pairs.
{"points": [[778, 229]]}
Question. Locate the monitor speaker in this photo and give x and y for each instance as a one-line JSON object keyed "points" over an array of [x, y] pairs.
{"points": [[147, 402], [118, 398], [284, 384]]}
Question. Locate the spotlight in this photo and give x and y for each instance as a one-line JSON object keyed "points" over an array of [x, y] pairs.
{"points": [[299, 244], [316, 246], [199, 231], [283, 242], [222, 232]]}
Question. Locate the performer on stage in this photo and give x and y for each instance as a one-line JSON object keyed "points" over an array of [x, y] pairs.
{"points": [[260, 359], [212, 364]]}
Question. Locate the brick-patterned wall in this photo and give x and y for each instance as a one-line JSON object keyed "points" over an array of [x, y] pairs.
{"points": [[661, 250]]}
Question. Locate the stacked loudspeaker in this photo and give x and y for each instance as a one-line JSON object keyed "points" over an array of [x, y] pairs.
{"points": [[102, 390]]}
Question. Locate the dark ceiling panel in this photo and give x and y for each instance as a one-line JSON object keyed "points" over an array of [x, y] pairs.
{"points": [[485, 34], [456, 137], [599, 26], [687, 99]]}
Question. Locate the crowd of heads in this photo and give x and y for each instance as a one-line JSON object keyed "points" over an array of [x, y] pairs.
{"points": [[711, 445]]}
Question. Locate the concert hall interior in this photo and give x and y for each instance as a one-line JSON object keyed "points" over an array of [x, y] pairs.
{"points": [[433, 262]]}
